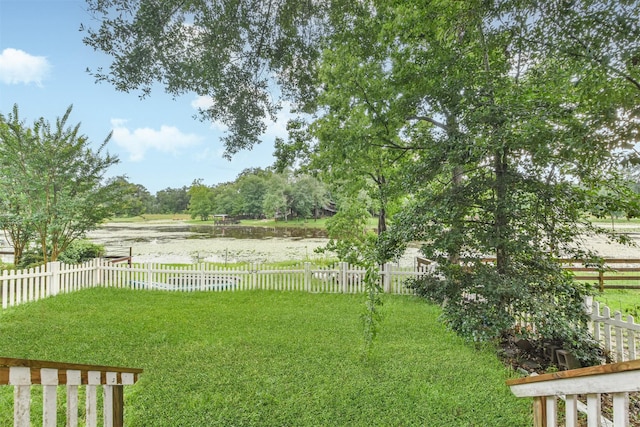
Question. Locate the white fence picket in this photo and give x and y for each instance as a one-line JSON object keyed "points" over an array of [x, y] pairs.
{"points": [[74, 380], [49, 381]]}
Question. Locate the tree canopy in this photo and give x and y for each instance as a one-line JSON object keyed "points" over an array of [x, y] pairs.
{"points": [[52, 184], [497, 128]]}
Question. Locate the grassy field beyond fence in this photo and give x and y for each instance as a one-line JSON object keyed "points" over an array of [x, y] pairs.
{"points": [[627, 301], [267, 359]]}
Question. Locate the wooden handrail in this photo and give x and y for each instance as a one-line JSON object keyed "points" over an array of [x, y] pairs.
{"points": [[31, 363], [617, 379], [631, 365]]}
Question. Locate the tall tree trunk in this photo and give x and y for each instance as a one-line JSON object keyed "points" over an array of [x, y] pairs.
{"points": [[457, 175], [382, 214], [501, 217], [382, 221], [456, 182]]}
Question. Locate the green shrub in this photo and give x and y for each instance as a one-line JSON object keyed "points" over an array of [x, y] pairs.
{"points": [[80, 251], [30, 258], [482, 304]]}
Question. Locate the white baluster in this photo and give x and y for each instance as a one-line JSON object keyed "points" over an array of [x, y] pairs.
{"points": [[594, 411], [571, 412], [92, 398], [74, 379], [621, 409], [49, 381]]}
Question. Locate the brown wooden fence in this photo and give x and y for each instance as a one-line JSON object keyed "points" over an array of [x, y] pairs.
{"points": [[607, 273]]}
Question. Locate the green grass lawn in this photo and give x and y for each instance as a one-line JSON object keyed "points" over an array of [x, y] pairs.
{"points": [[268, 359], [627, 301]]}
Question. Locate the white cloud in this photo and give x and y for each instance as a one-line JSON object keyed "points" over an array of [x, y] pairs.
{"points": [[17, 66], [277, 128], [202, 102], [168, 139], [210, 154]]}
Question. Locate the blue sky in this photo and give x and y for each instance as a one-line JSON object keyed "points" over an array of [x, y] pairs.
{"points": [[159, 143]]}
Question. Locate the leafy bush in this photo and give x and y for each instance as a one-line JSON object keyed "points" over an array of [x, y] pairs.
{"points": [[482, 304], [77, 252], [81, 251], [30, 258]]}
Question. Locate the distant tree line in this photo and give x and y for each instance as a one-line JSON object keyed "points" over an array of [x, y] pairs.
{"points": [[256, 193]]}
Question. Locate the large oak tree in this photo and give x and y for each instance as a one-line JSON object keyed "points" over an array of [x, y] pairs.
{"points": [[511, 117]]}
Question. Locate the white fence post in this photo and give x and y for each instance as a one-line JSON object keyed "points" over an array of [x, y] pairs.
{"points": [[344, 267], [54, 279], [149, 276], [386, 276], [97, 273], [5, 289], [307, 276]]}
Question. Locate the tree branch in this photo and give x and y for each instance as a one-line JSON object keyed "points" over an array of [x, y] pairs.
{"points": [[430, 120]]}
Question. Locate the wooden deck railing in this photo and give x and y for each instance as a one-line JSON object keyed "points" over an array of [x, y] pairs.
{"points": [[23, 374], [617, 379]]}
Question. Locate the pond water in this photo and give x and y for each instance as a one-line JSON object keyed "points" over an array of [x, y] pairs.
{"points": [[186, 243], [140, 233], [179, 242]]}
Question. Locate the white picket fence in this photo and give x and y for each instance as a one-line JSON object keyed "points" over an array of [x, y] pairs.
{"points": [[20, 286], [343, 278], [619, 336]]}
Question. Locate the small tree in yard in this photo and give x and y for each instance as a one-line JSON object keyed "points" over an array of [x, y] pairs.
{"points": [[200, 200], [52, 185]]}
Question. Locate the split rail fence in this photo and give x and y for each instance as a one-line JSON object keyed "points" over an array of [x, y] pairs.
{"points": [[612, 273]]}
